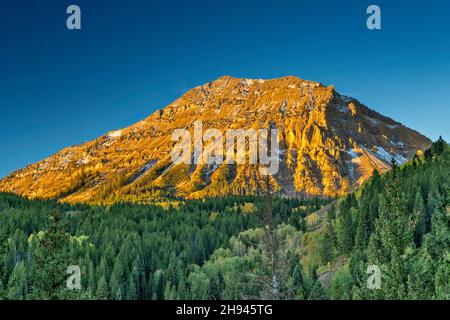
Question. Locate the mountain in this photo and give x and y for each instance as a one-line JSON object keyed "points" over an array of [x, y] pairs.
{"points": [[329, 144]]}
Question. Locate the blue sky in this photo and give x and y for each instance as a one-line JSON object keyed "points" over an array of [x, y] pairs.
{"points": [[61, 87]]}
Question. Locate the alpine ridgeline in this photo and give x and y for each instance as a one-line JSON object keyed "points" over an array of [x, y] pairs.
{"points": [[329, 144]]}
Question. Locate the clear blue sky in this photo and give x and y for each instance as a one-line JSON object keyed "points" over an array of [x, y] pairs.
{"points": [[61, 87]]}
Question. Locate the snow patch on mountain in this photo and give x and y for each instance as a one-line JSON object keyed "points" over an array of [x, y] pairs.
{"points": [[115, 134], [247, 82], [386, 156], [352, 164]]}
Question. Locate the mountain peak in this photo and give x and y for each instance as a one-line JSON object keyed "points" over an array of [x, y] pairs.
{"points": [[329, 144], [284, 79]]}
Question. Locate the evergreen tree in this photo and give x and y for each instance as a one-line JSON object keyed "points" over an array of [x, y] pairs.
{"points": [[91, 281], [181, 292], [421, 218], [158, 285], [132, 291], [361, 230], [394, 232], [18, 285], [102, 289], [344, 228], [327, 244], [297, 287], [51, 260], [3, 251], [317, 292]]}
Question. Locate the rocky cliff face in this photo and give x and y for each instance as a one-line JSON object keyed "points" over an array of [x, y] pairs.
{"points": [[329, 144]]}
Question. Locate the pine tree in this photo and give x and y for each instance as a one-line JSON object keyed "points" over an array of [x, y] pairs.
{"points": [[181, 292], [331, 213], [430, 275], [3, 250], [361, 230], [158, 285], [119, 294], [341, 285], [132, 291], [438, 147], [148, 292], [51, 260], [91, 280], [168, 291], [102, 289], [394, 231], [421, 218], [317, 292], [18, 285], [344, 229], [297, 287], [327, 244], [442, 279]]}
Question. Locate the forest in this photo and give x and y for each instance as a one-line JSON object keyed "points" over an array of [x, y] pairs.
{"points": [[239, 247]]}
